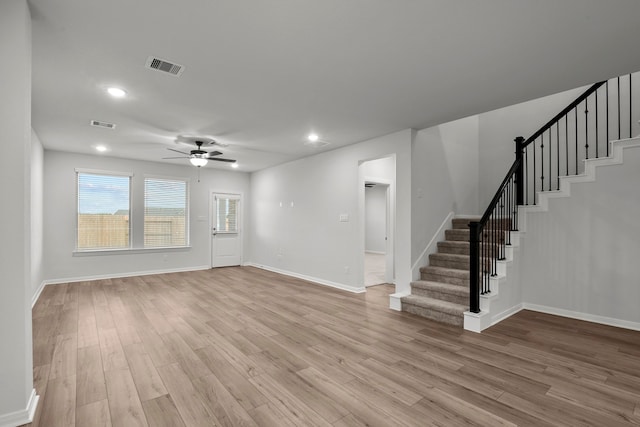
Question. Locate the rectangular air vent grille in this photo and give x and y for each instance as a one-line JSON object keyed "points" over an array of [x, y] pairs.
{"points": [[102, 124], [164, 66], [316, 144]]}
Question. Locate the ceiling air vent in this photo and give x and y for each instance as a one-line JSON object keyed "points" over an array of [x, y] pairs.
{"points": [[164, 66], [100, 124], [316, 144]]}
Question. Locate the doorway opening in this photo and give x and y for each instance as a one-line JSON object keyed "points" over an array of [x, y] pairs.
{"points": [[376, 231], [377, 215]]}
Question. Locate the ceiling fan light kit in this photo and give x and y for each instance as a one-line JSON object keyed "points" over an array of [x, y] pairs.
{"points": [[199, 157], [198, 161]]}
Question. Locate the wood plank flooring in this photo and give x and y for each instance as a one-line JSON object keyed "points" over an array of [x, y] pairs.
{"points": [[247, 347]]}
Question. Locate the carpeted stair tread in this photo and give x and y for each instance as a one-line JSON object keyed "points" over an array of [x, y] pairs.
{"points": [[444, 271], [449, 260], [453, 247], [441, 287], [440, 311], [459, 235], [463, 223]]}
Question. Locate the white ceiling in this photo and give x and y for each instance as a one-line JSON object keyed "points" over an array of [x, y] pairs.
{"points": [[261, 74]]}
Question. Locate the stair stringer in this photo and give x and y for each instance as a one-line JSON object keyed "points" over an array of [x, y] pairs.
{"points": [[507, 298], [589, 175]]}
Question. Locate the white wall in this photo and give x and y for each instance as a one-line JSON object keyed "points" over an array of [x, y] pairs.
{"points": [[498, 130], [444, 167], [375, 218], [582, 255], [37, 212], [16, 363], [60, 264], [308, 238], [380, 170]]}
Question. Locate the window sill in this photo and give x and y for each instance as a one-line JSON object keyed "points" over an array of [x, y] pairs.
{"points": [[129, 251]]}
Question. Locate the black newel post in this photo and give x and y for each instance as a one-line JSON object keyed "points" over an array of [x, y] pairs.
{"points": [[474, 273], [520, 172]]}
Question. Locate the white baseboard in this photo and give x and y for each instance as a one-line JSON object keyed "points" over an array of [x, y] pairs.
{"points": [[37, 293], [24, 416], [507, 313], [619, 323], [375, 252], [121, 275], [317, 280]]}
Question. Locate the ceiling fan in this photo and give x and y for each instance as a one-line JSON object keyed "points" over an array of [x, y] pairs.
{"points": [[200, 157]]}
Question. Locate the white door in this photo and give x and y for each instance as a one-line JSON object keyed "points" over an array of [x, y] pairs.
{"points": [[226, 242]]}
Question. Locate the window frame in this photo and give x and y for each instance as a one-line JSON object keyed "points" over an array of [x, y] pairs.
{"points": [[238, 199], [187, 210], [78, 172]]}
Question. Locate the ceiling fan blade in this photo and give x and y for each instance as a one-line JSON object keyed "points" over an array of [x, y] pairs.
{"points": [[166, 158], [212, 154], [222, 160], [178, 151]]}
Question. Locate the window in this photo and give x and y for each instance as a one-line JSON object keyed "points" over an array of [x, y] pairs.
{"points": [[227, 214], [103, 211], [165, 213]]}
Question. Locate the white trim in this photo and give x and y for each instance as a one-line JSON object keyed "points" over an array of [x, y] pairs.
{"points": [[128, 251], [36, 294], [317, 280], [619, 323], [24, 416], [103, 172], [438, 236], [375, 252], [121, 275], [395, 300], [507, 313]]}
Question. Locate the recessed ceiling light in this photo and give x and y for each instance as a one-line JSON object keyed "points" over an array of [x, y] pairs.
{"points": [[234, 165], [116, 92], [101, 148], [313, 137]]}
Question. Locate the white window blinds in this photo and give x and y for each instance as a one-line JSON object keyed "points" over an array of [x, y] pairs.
{"points": [[103, 211], [227, 214], [165, 213]]}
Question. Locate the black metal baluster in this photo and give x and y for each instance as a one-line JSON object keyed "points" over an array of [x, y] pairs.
{"points": [[607, 139], [566, 141], [534, 173], [630, 107], [550, 150], [597, 136], [526, 174], [619, 113], [499, 226], [503, 210], [586, 128], [484, 259], [558, 154], [542, 163], [515, 209], [495, 241], [576, 114]]}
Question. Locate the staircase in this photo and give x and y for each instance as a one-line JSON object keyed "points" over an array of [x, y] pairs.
{"points": [[442, 293]]}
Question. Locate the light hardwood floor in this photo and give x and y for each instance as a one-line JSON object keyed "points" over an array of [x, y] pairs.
{"points": [[246, 347]]}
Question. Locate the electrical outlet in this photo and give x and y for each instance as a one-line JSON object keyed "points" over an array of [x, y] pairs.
{"points": [[346, 269]]}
